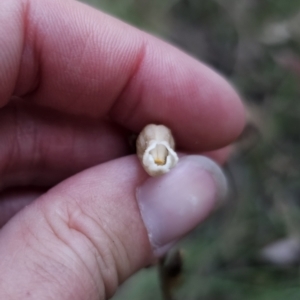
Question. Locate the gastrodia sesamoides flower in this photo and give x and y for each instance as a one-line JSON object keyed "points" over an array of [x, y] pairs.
{"points": [[155, 149]]}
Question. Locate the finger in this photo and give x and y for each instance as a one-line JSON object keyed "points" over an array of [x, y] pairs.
{"points": [[12, 202], [220, 156], [42, 147], [78, 60], [88, 234]]}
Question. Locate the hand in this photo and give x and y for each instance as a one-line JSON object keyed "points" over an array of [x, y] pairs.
{"points": [[73, 82]]}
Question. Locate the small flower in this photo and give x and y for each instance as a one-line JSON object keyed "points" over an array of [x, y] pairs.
{"points": [[155, 149]]}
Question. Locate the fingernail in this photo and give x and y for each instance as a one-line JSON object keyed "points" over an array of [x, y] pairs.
{"points": [[173, 204]]}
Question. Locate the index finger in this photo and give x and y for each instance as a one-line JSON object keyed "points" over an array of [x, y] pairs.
{"points": [[70, 57]]}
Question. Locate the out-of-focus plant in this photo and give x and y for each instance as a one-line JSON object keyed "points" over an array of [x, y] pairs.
{"points": [[250, 248]]}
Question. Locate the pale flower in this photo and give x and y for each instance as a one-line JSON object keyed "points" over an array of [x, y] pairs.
{"points": [[155, 149]]}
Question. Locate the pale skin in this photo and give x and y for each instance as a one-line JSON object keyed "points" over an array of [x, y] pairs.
{"points": [[83, 66]]}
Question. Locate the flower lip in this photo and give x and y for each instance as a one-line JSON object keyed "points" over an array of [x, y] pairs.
{"points": [[150, 159], [160, 154]]}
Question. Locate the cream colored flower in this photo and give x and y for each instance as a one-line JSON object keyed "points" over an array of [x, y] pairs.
{"points": [[155, 149]]}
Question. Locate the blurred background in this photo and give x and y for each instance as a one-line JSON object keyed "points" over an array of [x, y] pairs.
{"points": [[249, 249]]}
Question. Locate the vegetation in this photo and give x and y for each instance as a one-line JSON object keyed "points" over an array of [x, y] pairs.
{"points": [[255, 44]]}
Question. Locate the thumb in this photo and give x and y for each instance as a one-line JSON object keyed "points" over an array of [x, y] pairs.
{"points": [[88, 234]]}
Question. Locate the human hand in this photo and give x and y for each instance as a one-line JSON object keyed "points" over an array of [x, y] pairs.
{"points": [[73, 82]]}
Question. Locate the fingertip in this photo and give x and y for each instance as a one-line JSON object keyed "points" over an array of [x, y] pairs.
{"points": [[203, 110]]}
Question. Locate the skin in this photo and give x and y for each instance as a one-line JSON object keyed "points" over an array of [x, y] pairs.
{"points": [[73, 83]]}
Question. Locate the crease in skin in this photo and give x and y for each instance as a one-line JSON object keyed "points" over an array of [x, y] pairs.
{"points": [[30, 70], [137, 66], [71, 242]]}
